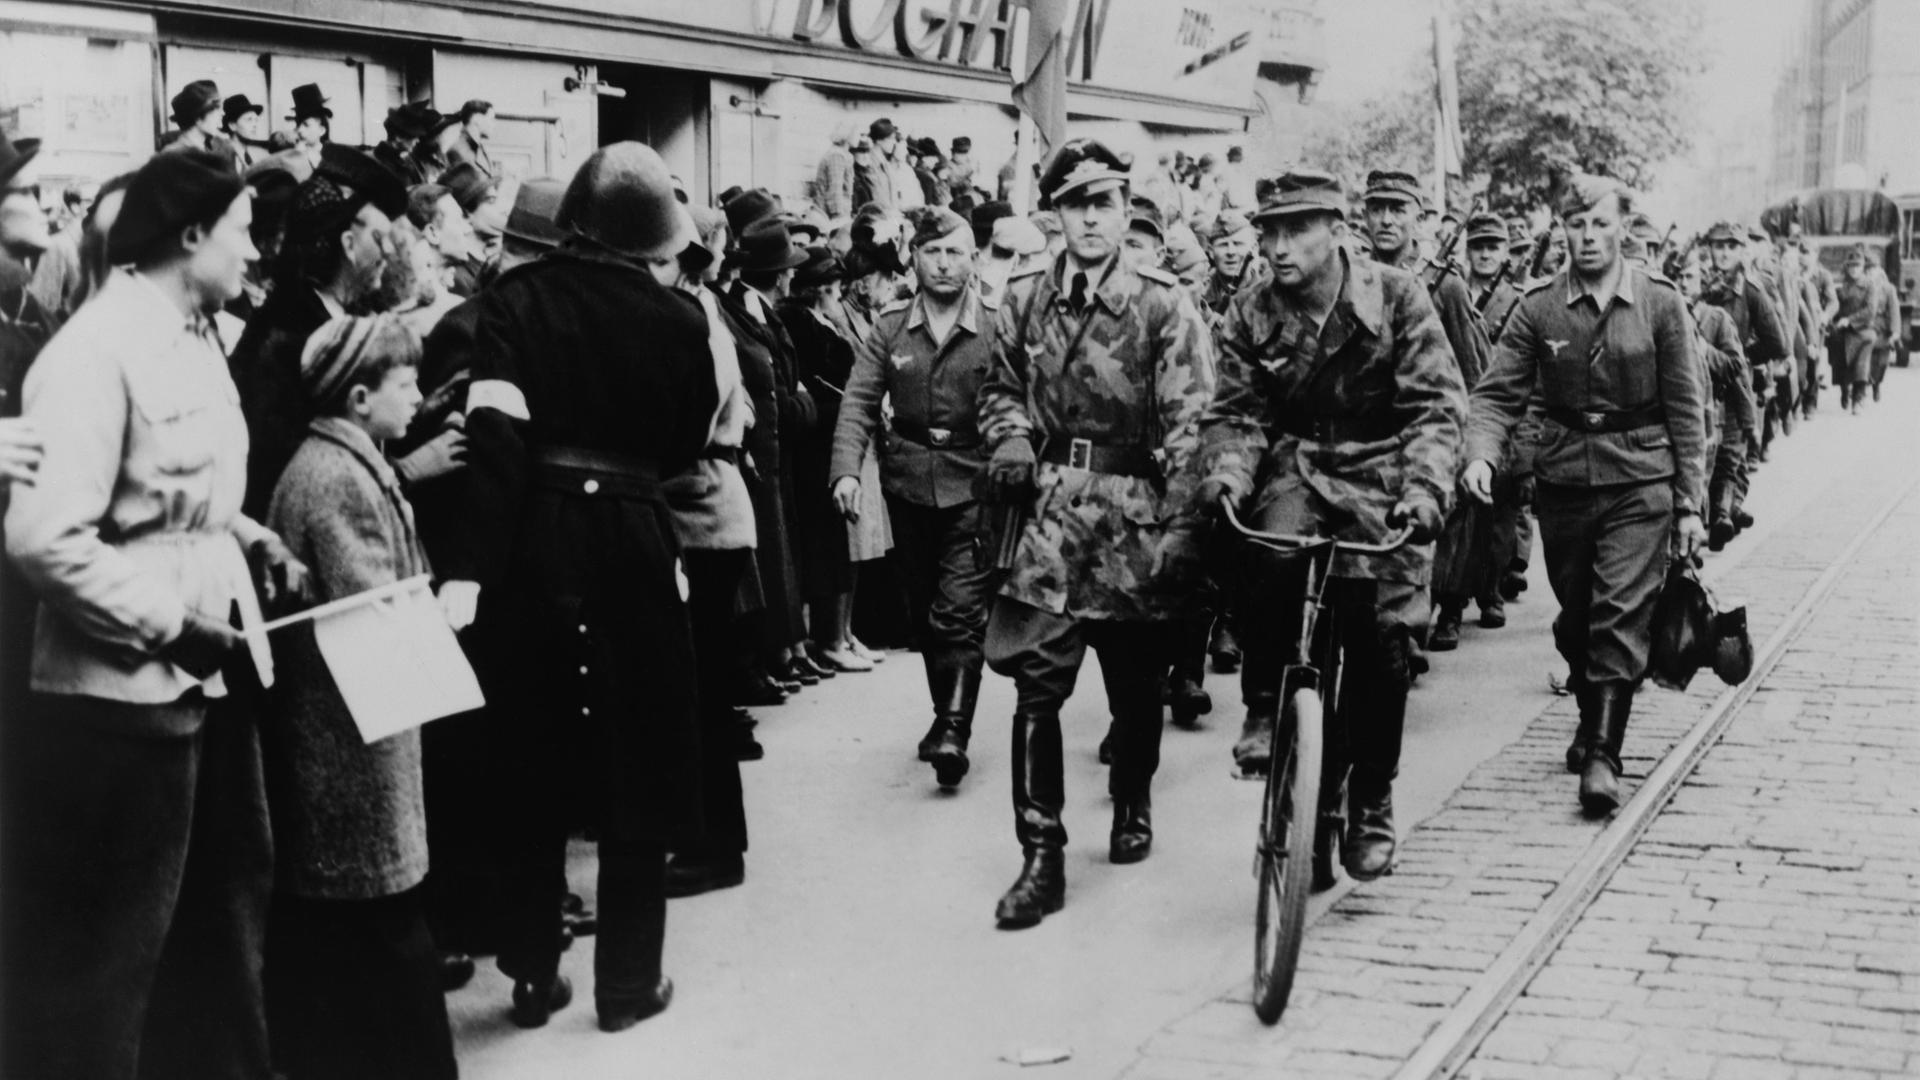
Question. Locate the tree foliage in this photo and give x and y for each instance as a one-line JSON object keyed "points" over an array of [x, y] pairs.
{"points": [[1549, 87]]}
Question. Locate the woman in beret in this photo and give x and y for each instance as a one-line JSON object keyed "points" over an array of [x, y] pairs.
{"points": [[137, 854]]}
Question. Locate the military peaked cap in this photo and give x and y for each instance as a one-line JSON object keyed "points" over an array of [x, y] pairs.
{"points": [[1081, 166], [1392, 185], [1486, 227], [1725, 232], [1307, 191]]}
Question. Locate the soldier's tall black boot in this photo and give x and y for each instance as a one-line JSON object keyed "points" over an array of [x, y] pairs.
{"points": [[1136, 757], [1600, 775], [933, 659], [1041, 888], [956, 691], [1589, 729], [1368, 848], [1187, 698]]}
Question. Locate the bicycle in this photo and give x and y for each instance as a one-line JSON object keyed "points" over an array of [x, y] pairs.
{"points": [[1288, 863]]}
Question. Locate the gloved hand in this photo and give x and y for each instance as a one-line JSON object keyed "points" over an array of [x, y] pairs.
{"points": [[1010, 472], [1416, 510], [437, 456], [202, 646], [279, 576]]}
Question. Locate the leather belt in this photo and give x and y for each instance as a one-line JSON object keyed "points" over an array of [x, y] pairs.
{"points": [[1132, 459], [1612, 420], [575, 470], [1340, 429], [936, 437]]}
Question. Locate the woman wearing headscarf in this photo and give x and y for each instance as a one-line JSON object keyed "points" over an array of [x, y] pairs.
{"points": [[137, 856]]}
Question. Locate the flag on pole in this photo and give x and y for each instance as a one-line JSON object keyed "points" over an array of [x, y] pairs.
{"points": [[1041, 93], [1449, 148]]}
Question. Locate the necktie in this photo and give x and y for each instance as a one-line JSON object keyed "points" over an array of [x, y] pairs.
{"points": [[1077, 299]]}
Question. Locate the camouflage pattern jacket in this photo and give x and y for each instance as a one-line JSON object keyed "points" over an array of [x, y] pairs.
{"points": [[1379, 365], [1099, 545]]}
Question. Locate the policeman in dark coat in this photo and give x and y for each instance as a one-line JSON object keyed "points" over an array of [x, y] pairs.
{"points": [[930, 355], [591, 382], [1620, 470], [1090, 414], [1338, 412]]}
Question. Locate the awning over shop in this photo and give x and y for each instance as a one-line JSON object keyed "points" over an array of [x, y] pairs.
{"points": [[607, 37]]}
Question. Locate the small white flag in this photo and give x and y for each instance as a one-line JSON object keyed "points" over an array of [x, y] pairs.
{"points": [[394, 659]]}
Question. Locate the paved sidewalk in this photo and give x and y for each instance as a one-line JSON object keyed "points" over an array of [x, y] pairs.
{"points": [[1768, 924], [1379, 970]]}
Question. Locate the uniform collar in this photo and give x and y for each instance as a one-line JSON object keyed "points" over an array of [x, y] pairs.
{"points": [[1362, 293], [1622, 289], [1116, 291], [969, 319]]}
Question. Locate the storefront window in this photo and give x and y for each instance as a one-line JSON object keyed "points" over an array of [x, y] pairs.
{"points": [[88, 98]]}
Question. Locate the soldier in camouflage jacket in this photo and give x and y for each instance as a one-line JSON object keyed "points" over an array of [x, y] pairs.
{"points": [[1100, 373], [1339, 411]]}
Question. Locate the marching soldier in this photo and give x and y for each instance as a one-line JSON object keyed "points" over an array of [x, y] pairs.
{"points": [[1232, 244], [1491, 271], [930, 355], [1619, 471], [1100, 373], [1762, 336], [1339, 410], [1732, 391], [1393, 202]]}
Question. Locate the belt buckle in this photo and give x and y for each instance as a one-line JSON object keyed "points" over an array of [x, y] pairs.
{"points": [[1593, 420], [1080, 454], [939, 436]]}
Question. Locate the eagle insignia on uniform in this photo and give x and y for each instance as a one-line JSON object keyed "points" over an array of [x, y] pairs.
{"points": [[1557, 345], [901, 359], [1272, 364]]}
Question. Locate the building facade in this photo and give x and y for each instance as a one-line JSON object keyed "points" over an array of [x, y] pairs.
{"points": [[746, 92], [1845, 109]]}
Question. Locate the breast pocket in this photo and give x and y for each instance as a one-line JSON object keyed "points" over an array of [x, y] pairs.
{"points": [[179, 424]]}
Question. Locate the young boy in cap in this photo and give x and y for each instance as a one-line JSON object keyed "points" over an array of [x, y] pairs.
{"points": [[1100, 372], [353, 981]]}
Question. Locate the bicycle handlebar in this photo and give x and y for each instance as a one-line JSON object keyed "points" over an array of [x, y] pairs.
{"points": [[1392, 543]]}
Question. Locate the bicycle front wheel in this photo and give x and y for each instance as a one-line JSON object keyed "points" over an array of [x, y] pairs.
{"points": [[1284, 860]]}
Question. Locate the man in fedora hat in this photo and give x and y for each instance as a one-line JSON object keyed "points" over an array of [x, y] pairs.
{"points": [[1100, 373], [592, 383], [197, 113], [244, 124], [311, 121], [406, 125], [1358, 457]]}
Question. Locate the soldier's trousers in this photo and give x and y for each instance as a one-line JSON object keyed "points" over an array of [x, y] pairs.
{"points": [[1606, 550], [1042, 653], [948, 578], [1379, 623], [1729, 484], [1512, 540]]}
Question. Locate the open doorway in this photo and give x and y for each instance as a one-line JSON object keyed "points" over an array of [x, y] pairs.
{"points": [[665, 109]]}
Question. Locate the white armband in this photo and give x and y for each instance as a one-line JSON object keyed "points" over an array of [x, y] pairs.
{"points": [[497, 394]]}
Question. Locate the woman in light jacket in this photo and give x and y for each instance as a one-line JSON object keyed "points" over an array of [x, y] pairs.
{"points": [[137, 854]]}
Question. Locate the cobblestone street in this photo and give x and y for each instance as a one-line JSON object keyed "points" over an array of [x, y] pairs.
{"points": [[1764, 926]]}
